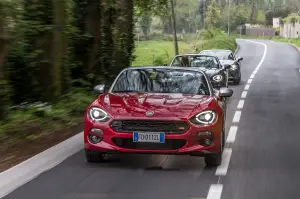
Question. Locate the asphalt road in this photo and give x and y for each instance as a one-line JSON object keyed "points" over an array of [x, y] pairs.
{"points": [[261, 159]]}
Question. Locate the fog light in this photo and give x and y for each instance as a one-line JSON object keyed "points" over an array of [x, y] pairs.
{"points": [[206, 141], [95, 139], [204, 133], [96, 131]]}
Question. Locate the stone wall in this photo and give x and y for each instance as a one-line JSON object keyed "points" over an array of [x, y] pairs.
{"points": [[289, 30], [259, 31]]}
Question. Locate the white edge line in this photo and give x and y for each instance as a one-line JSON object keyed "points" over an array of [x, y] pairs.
{"points": [[244, 94], [252, 76], [241, 104], [22, 173], [247, 87], [237, 116], [215, 191], [231, 134], [223, 168]]}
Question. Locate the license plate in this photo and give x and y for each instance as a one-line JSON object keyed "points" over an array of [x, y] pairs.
{"points": [[148, 137]]}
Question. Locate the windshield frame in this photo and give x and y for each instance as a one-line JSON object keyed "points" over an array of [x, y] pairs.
{"points": [[216, 52], [202, 55], [210, 88]]}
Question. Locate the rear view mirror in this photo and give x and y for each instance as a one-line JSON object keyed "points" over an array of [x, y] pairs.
{"points": [[225, 92], [99, 89], [239, 58]]}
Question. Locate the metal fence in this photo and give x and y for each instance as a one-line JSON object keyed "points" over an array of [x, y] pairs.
{"points": [[255, 32]]}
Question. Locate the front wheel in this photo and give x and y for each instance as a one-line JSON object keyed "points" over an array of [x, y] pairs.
{"points": [[216, 159], [213, 160], [93, 156], [238, 80]]}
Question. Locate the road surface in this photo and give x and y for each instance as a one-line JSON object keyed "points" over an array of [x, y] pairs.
{"points": [[260, 160]]}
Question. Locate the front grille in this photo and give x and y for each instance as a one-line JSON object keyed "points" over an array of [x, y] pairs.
{"points": [[168, 145], [169, 127]]}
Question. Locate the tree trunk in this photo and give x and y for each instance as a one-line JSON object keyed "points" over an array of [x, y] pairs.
{"points": [[93, 22], [253, 12], [58, 46], [4, 39], [174, 28]]}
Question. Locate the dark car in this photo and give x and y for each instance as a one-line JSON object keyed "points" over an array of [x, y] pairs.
{"points": [[157, 110], [227, 57], [208, 63]]}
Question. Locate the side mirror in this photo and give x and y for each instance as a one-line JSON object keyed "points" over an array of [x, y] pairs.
{"points": [[239, 58], [226, 66], [99, 89], [225, 92]]}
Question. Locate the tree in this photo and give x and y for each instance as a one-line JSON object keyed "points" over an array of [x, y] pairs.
{"points": [[213, 15]]}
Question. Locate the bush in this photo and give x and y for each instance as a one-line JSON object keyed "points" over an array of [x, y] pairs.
{"points": [[215, 39]]}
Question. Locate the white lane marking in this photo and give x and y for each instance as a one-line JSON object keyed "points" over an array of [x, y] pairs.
{"points": [[215, 191], [222, 169], [22, 173], [231, 134], [241, 104], [244, 94], [254, 72], [237, 116], [247, 87], [249, 81], [265, 52], [252, 76]]}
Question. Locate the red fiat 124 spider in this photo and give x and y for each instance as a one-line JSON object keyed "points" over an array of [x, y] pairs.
{"points": [[157, 110]]}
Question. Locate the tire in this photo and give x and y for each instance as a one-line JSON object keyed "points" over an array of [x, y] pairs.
{"points": [[93, 156], [216, 159], [238, 80]]}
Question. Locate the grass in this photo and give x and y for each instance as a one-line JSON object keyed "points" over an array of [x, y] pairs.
{"points": [[153, 51], [160, 52]]}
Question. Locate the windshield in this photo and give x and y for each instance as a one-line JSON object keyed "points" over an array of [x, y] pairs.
{"points": [[162, 81], [222, 55], [196, 61]]}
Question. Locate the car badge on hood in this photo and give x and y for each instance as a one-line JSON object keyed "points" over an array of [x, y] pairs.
{"points": [[149, 113]]}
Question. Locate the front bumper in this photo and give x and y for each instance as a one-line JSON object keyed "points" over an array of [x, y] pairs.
{"points": [[186, 143], [233, 74]]}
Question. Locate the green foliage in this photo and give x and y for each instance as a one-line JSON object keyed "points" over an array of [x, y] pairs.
{"points": [[157, 7], [260, 17], [210, 33], [156, 52], [213, 15], [215, 39], [292, 18]]}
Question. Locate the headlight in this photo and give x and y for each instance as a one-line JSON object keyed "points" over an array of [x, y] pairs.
{"points": [[233, 67], [206, 117], [98, 115], [217, 78]]}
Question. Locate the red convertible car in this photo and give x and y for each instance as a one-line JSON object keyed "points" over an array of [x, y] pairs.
{"points": [[157, 110]]}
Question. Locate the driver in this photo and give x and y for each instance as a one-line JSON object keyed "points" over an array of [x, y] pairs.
{"points": [[185, 61]]}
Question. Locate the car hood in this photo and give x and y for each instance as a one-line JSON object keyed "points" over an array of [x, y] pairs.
{"points": [[164, 105], [229, 62]]}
